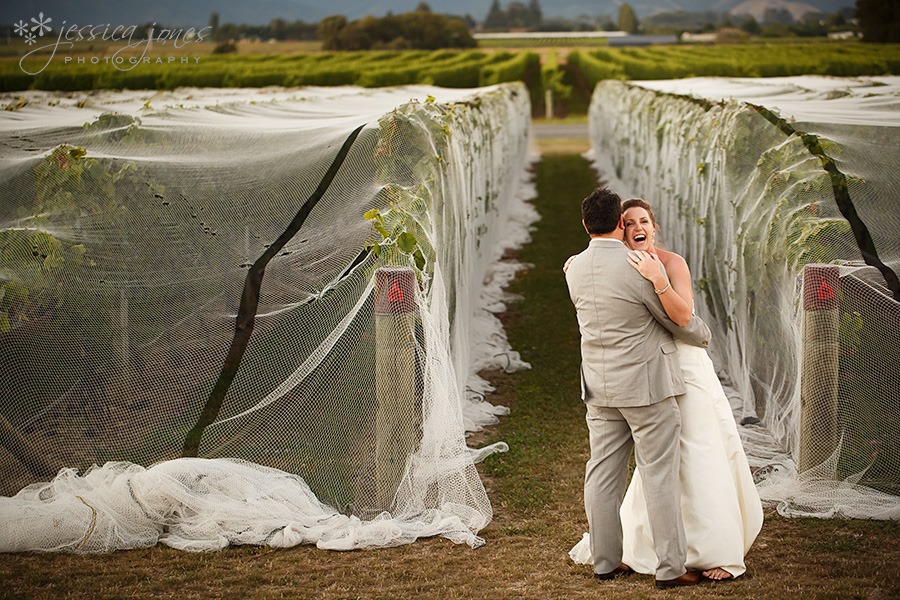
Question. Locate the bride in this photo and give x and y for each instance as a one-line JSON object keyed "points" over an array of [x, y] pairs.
{"points": [[720, 506]]}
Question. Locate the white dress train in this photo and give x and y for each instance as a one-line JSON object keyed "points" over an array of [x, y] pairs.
{"points": [[720, 506]]}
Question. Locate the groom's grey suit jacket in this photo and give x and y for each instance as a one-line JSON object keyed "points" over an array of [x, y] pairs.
{"points": [[627, 350]]}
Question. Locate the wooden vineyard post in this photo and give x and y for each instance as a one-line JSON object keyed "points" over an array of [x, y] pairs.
{"points": [[399, 412], [820, 363]]}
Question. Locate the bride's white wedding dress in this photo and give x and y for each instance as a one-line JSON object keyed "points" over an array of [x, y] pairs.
{"points": [[720, 506]]}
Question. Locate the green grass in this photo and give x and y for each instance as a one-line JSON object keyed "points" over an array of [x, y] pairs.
{"points": [[548, 402]]}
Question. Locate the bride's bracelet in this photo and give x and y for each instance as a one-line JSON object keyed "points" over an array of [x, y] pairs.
{"points": [[662, 291]]}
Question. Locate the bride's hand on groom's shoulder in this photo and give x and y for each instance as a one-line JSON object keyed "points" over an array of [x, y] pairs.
{"points": [[648, 265], [568, 262]]}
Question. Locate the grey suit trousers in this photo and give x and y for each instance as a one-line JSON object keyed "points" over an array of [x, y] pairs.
{"points": [[653, 431]]}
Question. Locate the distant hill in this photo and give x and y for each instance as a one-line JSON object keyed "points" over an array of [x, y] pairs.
{"points": [[757, 8], [195, 13]]}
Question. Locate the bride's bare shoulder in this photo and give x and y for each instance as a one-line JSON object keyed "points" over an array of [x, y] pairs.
{"points": [[670, 259]]}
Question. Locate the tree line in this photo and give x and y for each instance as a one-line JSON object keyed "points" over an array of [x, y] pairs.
{"points": [[516, 16], [876, 20], [420, 29], [879, 20]]}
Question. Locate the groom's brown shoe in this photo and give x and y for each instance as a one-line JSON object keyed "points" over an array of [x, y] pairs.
{"points": [[689, 578], [622, 570]]}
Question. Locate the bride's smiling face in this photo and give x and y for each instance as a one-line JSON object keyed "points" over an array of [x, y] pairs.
{"points": [[639, 229]]}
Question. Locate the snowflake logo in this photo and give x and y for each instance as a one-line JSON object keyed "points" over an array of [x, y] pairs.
{"points": [[21, 27], [40, 24], [29, 38]]}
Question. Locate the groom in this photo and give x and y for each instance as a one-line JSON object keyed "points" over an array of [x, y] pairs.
{"points": [[629, 381]]}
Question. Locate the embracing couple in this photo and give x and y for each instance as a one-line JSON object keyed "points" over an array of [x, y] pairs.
{"points": [[691, 511]]}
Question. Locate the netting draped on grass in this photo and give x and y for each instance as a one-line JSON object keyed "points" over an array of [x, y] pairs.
{"points": [[781, 194], [253, 316]]}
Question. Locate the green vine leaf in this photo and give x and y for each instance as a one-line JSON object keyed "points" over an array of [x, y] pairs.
{"points": [[419, 258], [407, 242]]}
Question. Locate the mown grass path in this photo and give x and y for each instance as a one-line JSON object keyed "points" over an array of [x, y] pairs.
{"points": [[535, 488]]}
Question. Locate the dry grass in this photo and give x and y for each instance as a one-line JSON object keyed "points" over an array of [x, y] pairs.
{"points": [[564, 146], [535, 489]]}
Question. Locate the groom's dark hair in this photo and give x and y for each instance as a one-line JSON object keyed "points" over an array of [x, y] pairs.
{"points": [[601, 211]]}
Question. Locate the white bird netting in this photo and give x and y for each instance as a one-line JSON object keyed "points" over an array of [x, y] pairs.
{"points": [[258, 313], [763, 184]]}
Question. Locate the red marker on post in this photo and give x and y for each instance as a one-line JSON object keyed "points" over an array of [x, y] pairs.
{"points": [[395, 290], [820, 285]]}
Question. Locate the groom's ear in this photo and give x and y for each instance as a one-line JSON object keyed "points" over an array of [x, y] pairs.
{"points": [[621, 224], [583, 224]]}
